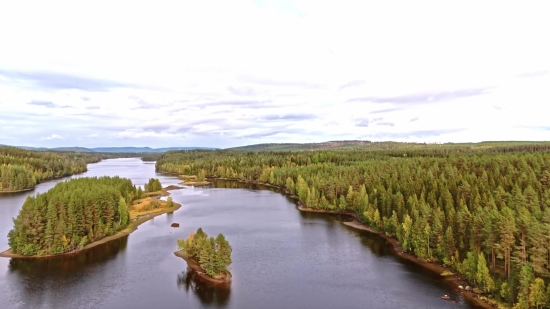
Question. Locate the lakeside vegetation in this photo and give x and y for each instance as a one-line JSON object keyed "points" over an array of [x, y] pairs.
{"points": [[22, 169], [482, 210], [213, 255], [82, 211], [71, 215], [153, 185]]}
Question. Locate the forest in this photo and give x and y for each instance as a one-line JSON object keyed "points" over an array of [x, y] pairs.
{"points": [[72, 214], [23, 169], [213, 255], [483, 212]]}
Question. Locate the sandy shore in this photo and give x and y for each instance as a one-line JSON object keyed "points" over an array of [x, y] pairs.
{"points": [[195, 183], [17, 191]]}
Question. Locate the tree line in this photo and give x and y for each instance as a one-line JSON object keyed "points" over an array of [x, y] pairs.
{"points": [[481, 211], [22, 169], [72, 214], [213, 255]]}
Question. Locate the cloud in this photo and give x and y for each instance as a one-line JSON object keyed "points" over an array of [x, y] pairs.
{"points": [[423, 98], [533, 74], [61, 81], [292, 77], [379, 121], [42, 103], [281, 83], [331, 124], [53, 136], [48, 104], [354, 83], [289, 117], [387, 110], [362, 122], [242, 91], [415, 133]]}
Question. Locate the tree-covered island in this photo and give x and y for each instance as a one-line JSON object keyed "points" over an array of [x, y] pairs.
{"points": [[207, 255]]}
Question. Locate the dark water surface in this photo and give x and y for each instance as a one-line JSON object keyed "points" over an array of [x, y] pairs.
{"points": [[282, 258]]}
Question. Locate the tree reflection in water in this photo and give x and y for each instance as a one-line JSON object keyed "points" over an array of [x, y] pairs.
{"points": [[206, 293]]}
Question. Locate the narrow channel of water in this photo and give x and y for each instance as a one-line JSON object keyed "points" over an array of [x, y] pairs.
{"points": [[282, 258]]}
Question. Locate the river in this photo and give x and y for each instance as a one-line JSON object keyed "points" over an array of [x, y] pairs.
{"points": [[282, 258]]}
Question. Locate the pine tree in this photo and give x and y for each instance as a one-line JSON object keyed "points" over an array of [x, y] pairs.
{"points": [[169, 202], [537, 295], [483, 277], [507, 239]]}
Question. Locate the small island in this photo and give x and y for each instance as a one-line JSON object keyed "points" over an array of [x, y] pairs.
{"points": [[82, 213], [194, 180], [209, 257]]}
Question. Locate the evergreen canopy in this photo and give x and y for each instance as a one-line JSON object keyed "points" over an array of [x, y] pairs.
{"points": [[72, 214], [483, 210], [212, 255], [23, 169]]}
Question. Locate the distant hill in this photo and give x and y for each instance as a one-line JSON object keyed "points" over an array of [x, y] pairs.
{"points": [[387, 145], [73, 149], [303, 146], [146, 149], [112, 149], [29, 148]]}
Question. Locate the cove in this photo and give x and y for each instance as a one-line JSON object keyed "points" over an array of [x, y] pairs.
{"points": [[281, 258]]}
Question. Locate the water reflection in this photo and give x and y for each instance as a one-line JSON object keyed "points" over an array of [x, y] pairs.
{"points": [[61, 266], [207, 294]]}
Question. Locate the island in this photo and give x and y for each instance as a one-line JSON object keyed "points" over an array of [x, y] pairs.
{"points": [[209, 257], [82, 213], [194, 180]]}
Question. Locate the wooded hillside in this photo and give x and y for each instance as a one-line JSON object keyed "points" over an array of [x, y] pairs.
{"points": [[482, 211], [23, 169]]}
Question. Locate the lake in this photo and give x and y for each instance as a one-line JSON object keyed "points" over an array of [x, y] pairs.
{"points": [[282, 258]]}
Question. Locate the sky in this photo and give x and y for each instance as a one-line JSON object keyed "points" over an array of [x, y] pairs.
{"points": [[231, 73]]}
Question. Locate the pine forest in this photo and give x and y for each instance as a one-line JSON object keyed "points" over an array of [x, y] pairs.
{"points": [[483, 212], [213, 255], [23, 169], [71, 215]]}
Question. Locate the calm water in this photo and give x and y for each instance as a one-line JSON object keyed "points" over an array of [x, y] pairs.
{"points": [[281, 258]]}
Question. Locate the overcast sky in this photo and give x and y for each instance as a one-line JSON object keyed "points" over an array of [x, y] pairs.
{"points": [[230, 73]]}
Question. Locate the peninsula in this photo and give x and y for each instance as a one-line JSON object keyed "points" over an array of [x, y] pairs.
{"points": [[82, 213]]}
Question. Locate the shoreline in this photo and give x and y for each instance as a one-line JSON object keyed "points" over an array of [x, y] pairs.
{"points": [[44, 181], [17, 191], [137, 221], [195, 183], [198, 270], [454, 280]]}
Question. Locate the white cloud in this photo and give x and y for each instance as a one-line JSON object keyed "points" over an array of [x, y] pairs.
{"points": [[53, 136], [183, 72]]}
